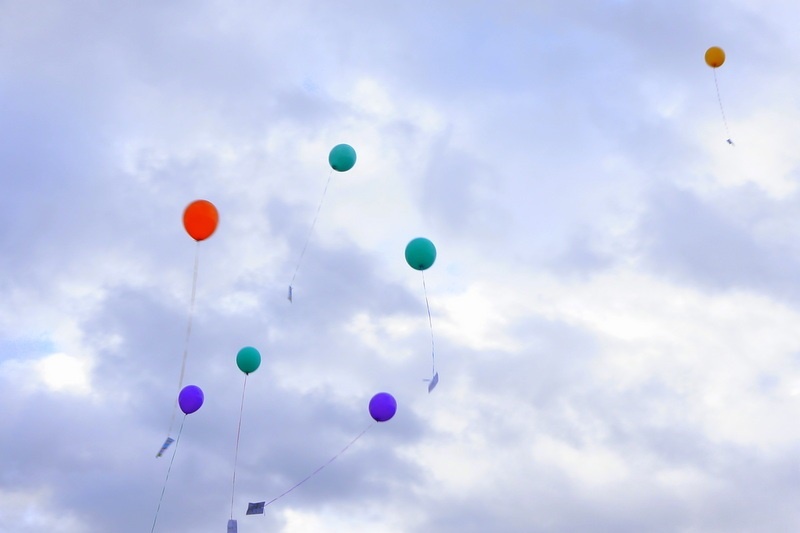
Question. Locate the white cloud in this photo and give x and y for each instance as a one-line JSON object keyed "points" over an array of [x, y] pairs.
{"points": [[28, 511], [64, 373], [56, 373], [608, 353]]}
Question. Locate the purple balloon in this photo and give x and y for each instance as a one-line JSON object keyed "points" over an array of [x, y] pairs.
{"points": [[190, 399], [382, 407]]}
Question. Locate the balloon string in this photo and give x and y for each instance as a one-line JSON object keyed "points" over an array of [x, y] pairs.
{"points": [[722, 110], [186, 339], [318, 470], [430, 323], [164, 488], [236, 455], [310, 231]]}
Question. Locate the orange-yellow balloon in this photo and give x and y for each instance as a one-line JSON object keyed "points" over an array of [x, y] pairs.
{"points": [[715, 57], [200, 219]]}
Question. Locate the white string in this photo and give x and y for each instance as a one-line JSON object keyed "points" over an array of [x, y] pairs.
{"points": [[722, 110], [318, 470], [164, 488], [430, 323], [310, 231], [236, 455], [185, 343]]}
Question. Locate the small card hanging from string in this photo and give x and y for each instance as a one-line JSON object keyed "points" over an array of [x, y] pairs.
{"points": [[420, 255], [341, 159], [164, 446], [256, 508]]}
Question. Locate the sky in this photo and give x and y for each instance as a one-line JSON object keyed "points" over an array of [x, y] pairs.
{"points": [[615, 301]]}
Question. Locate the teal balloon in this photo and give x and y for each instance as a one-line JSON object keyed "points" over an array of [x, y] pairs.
{"points": [[420, 253], [248, 359], [342, 157]]}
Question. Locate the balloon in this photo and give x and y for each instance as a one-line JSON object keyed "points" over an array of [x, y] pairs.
{"points": [[248, 359], [200, 219], [190, 399], [382, 407], [420, 253], [715, 57], [342, 157]]}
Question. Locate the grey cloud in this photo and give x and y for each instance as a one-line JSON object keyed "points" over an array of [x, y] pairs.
{"points": [[700, 241], [536, 99]]}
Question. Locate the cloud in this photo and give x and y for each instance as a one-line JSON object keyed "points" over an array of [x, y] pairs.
{"points": [[613, 303]]}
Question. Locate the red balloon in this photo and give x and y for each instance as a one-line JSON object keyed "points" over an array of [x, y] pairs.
{"points": [[200, 219]]}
